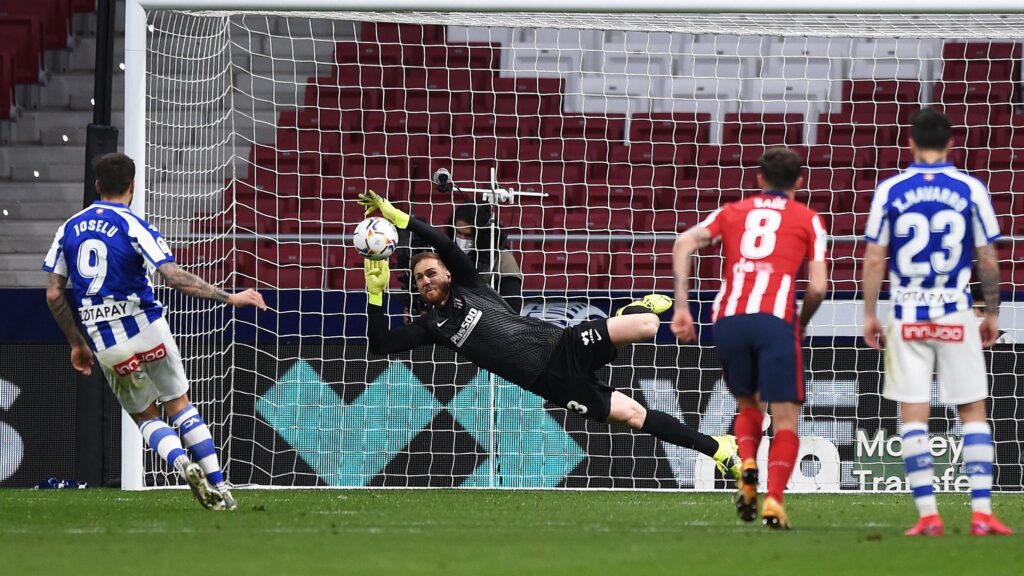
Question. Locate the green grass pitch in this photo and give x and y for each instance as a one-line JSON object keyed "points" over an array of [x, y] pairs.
{"points": [[383, 532]]}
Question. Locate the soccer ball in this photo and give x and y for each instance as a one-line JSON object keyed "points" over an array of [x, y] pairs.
{"points": [[375, 238]]}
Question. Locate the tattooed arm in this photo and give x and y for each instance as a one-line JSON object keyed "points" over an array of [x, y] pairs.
{"points": [[81, 355], [188, 283], [988, 274]]}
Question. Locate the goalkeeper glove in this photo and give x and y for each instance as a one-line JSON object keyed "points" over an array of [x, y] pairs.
{"points": [[377, 275], [372, 201]]}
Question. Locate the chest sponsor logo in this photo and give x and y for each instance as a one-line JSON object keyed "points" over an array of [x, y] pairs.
{"points": [[468, 324], [135, 362], [933, 331], [90, 314]]}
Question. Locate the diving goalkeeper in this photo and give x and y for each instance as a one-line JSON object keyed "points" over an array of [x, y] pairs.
{"points": [[556, 364]]}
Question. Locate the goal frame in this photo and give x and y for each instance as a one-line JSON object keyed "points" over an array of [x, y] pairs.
{"points": [[132, 467]]}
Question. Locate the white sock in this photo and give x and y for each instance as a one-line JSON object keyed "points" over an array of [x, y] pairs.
{"points": [[917, 458], [163, 440], [978, 457]]}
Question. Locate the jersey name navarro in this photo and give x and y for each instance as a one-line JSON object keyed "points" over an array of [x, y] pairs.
{"points": [[931, 217], [764, 239]]}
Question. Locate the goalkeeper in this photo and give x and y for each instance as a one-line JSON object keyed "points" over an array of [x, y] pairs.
{"points": [[556, 364]]}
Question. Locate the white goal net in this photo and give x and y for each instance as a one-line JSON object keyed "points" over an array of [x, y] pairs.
{"points": [[261, 129]]}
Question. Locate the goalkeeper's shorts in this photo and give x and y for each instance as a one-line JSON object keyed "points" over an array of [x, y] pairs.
{"points": [[145, 368]]}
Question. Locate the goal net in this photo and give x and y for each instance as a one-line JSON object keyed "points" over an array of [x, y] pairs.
{"points": [[603, 135]]}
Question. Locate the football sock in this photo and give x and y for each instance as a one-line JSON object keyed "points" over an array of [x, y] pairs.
{"points": [[665, 427], [978, 456], [162, 439], [917, 458], [197, 437], [781, 459], [747, 428]]}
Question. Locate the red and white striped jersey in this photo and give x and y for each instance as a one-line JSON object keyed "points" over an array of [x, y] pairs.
{"points": [[765, 239]]}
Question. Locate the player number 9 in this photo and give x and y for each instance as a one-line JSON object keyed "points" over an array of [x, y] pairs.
{"points": [[92, 263]]}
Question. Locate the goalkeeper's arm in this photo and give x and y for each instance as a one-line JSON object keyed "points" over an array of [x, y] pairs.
{"points": [[384, 340], [457, 262]]}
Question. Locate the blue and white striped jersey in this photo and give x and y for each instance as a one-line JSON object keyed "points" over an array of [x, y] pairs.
{"points": [[103, 251], [932, 217]]}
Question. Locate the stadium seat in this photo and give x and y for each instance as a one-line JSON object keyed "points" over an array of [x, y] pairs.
{"points": [[602, 220], [54, 17], [642, 267], [616, 196], [22, 36], [279, 170], [558, 266], [763, 129], [7, 83], [604, 95], [890, 59], [679, 128], [291, 265], [808, 98], [715, 97]]}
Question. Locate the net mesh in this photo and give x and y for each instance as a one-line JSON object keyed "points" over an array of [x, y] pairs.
{"points": [[262, 128]]}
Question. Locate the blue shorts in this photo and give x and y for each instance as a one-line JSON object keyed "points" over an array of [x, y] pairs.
{"points": [[760, 353]]}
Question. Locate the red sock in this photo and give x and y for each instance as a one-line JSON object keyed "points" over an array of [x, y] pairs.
{"points": [[781, 459], [747, 428]]}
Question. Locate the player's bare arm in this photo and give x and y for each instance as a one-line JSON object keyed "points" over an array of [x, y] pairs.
{"points": [[188, 283], [817, 276], [81, 355], [685, 245], [874, 269], [988, 274]]}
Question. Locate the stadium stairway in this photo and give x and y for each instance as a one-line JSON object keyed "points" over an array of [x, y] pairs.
{"points": [[42, 142]]}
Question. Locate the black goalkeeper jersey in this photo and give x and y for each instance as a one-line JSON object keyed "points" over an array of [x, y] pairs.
{"points": [[475, 322]]}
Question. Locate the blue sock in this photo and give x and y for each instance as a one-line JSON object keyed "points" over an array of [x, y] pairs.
{"points": [[162, 439], [200, 443], [917, 458], [978, 457]]}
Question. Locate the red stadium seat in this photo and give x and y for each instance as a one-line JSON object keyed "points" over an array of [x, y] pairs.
{"points": [[763, 129], [21, 35], [642, 267], [609, 128], [845, 260], [291, 265], [565, 266], [677, 128], [605, 220]]}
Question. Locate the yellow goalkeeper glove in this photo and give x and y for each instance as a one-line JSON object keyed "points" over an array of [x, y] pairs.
{"points": [[377, 275], [372, 201]]}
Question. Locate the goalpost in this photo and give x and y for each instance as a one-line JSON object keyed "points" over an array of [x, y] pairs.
{"points": [[594, 135]]}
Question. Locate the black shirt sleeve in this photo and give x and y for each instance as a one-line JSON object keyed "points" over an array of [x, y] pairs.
{"points": [[459, 264], [385, 340]]}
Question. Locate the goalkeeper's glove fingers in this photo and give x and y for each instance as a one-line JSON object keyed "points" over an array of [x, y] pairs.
{"points": [[373, 201], [377, 274]]}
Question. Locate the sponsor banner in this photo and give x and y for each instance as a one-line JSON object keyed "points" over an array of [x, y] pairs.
{"points": [[328, 415], [37, 414]]}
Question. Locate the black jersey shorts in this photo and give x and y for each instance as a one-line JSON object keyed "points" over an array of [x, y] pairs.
{"points": [[570, 379]]}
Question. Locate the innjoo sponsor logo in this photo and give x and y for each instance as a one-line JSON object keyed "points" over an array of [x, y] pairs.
{"points": [[132, 364], [933, 331]]}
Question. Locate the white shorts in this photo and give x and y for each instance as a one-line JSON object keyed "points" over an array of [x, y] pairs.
{"points": [[949, 347], [146, 368]]}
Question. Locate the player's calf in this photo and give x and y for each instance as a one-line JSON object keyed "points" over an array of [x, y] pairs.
{"points": [[197, 437]]}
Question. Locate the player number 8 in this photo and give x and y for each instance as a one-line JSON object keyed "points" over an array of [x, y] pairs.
{"points": [[759, 237]]}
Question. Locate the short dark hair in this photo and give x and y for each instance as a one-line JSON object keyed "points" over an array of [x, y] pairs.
{"points": [[420, 256], [780, 167], [115, 173], [930, 129]]}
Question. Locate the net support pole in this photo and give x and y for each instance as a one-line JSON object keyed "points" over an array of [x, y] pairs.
{"points": [[135, 147]]}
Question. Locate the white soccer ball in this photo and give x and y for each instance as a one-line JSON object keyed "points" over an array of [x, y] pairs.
{"points": [[375, 238]]}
